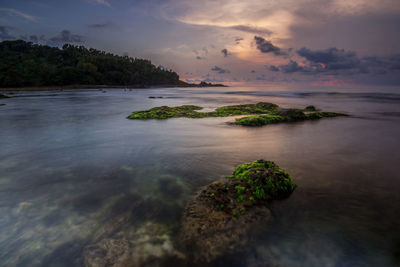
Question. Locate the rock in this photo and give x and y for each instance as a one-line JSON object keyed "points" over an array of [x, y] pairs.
{"points": [[143, 247], [221, 219], [125, 240]]}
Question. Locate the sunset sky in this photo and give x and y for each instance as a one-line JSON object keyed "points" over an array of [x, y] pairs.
{"points": [[327, 42]]}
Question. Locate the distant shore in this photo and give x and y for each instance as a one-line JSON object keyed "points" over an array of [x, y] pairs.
{"points": [[91, 86]]}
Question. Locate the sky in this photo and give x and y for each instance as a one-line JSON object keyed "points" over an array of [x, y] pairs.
{"points": [[315, 42]]}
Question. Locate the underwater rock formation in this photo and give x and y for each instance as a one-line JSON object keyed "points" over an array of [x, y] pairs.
{"points": [[221, 218]]}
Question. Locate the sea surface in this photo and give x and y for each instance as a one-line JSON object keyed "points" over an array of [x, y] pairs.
{"points": [[70, 162]]}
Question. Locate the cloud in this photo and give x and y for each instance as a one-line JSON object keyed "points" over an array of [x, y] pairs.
{"points": [[14, 12], [252, 29], [66, 36], [101, 2], [212, 80], [291, 67], [331, 58], [225, 52], [220, 70], [4, 33], [267, 47], [334, 61], [201, 54], [100, 25], [273, 68], [238, 39]]}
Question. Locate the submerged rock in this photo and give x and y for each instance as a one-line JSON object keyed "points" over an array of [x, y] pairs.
{"points": [[222, 217], [131, 238], [142, 247], [3, 96]]}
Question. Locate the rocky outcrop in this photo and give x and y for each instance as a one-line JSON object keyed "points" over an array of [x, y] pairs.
{"points": [[222, 217]]}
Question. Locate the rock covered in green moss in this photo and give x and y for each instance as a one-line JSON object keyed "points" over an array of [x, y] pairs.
{"points": [[289, 115], [262, 113], [190, 111], [3, 96], [246, 109], [222, 217], [165, 112], [310, 108]]}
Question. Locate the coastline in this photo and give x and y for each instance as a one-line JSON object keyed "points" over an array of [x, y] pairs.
{"points": [[100, 86]]}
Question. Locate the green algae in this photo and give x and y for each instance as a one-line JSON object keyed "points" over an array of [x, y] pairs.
{"points": [[4, 96]]}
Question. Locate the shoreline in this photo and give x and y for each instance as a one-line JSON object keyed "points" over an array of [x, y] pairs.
{"points": [[99, 86]]}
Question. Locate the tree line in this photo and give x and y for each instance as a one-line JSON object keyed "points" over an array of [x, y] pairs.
{"points": [[26, 64]]}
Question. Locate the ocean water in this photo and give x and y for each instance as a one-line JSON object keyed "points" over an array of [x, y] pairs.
{"points": [[70, 162]]}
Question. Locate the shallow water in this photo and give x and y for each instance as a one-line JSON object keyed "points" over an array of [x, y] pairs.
{"points": [[70, 161]]}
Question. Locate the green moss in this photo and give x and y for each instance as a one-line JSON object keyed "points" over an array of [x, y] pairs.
{"points": [[259, 120], [4, 96], [264, 178], [310, 108]]}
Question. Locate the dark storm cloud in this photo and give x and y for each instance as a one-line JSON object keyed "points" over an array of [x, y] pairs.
{"points": [[389, 63], [67, 37], [332, 58], [225, 52], [250, 29], [266, 46], [273, 68], [334, 61], [220, 70], [5, 34], [291, 67]]}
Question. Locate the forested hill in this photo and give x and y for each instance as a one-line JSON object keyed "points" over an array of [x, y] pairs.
{"points": [[25, 64]]}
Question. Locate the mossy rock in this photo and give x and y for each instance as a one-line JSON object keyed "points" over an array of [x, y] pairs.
{"points": [[4, 96], [310, 108], [221, 219], [190, 111], [246, 109], [262, 113], [166, 112], [289, 115]]}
